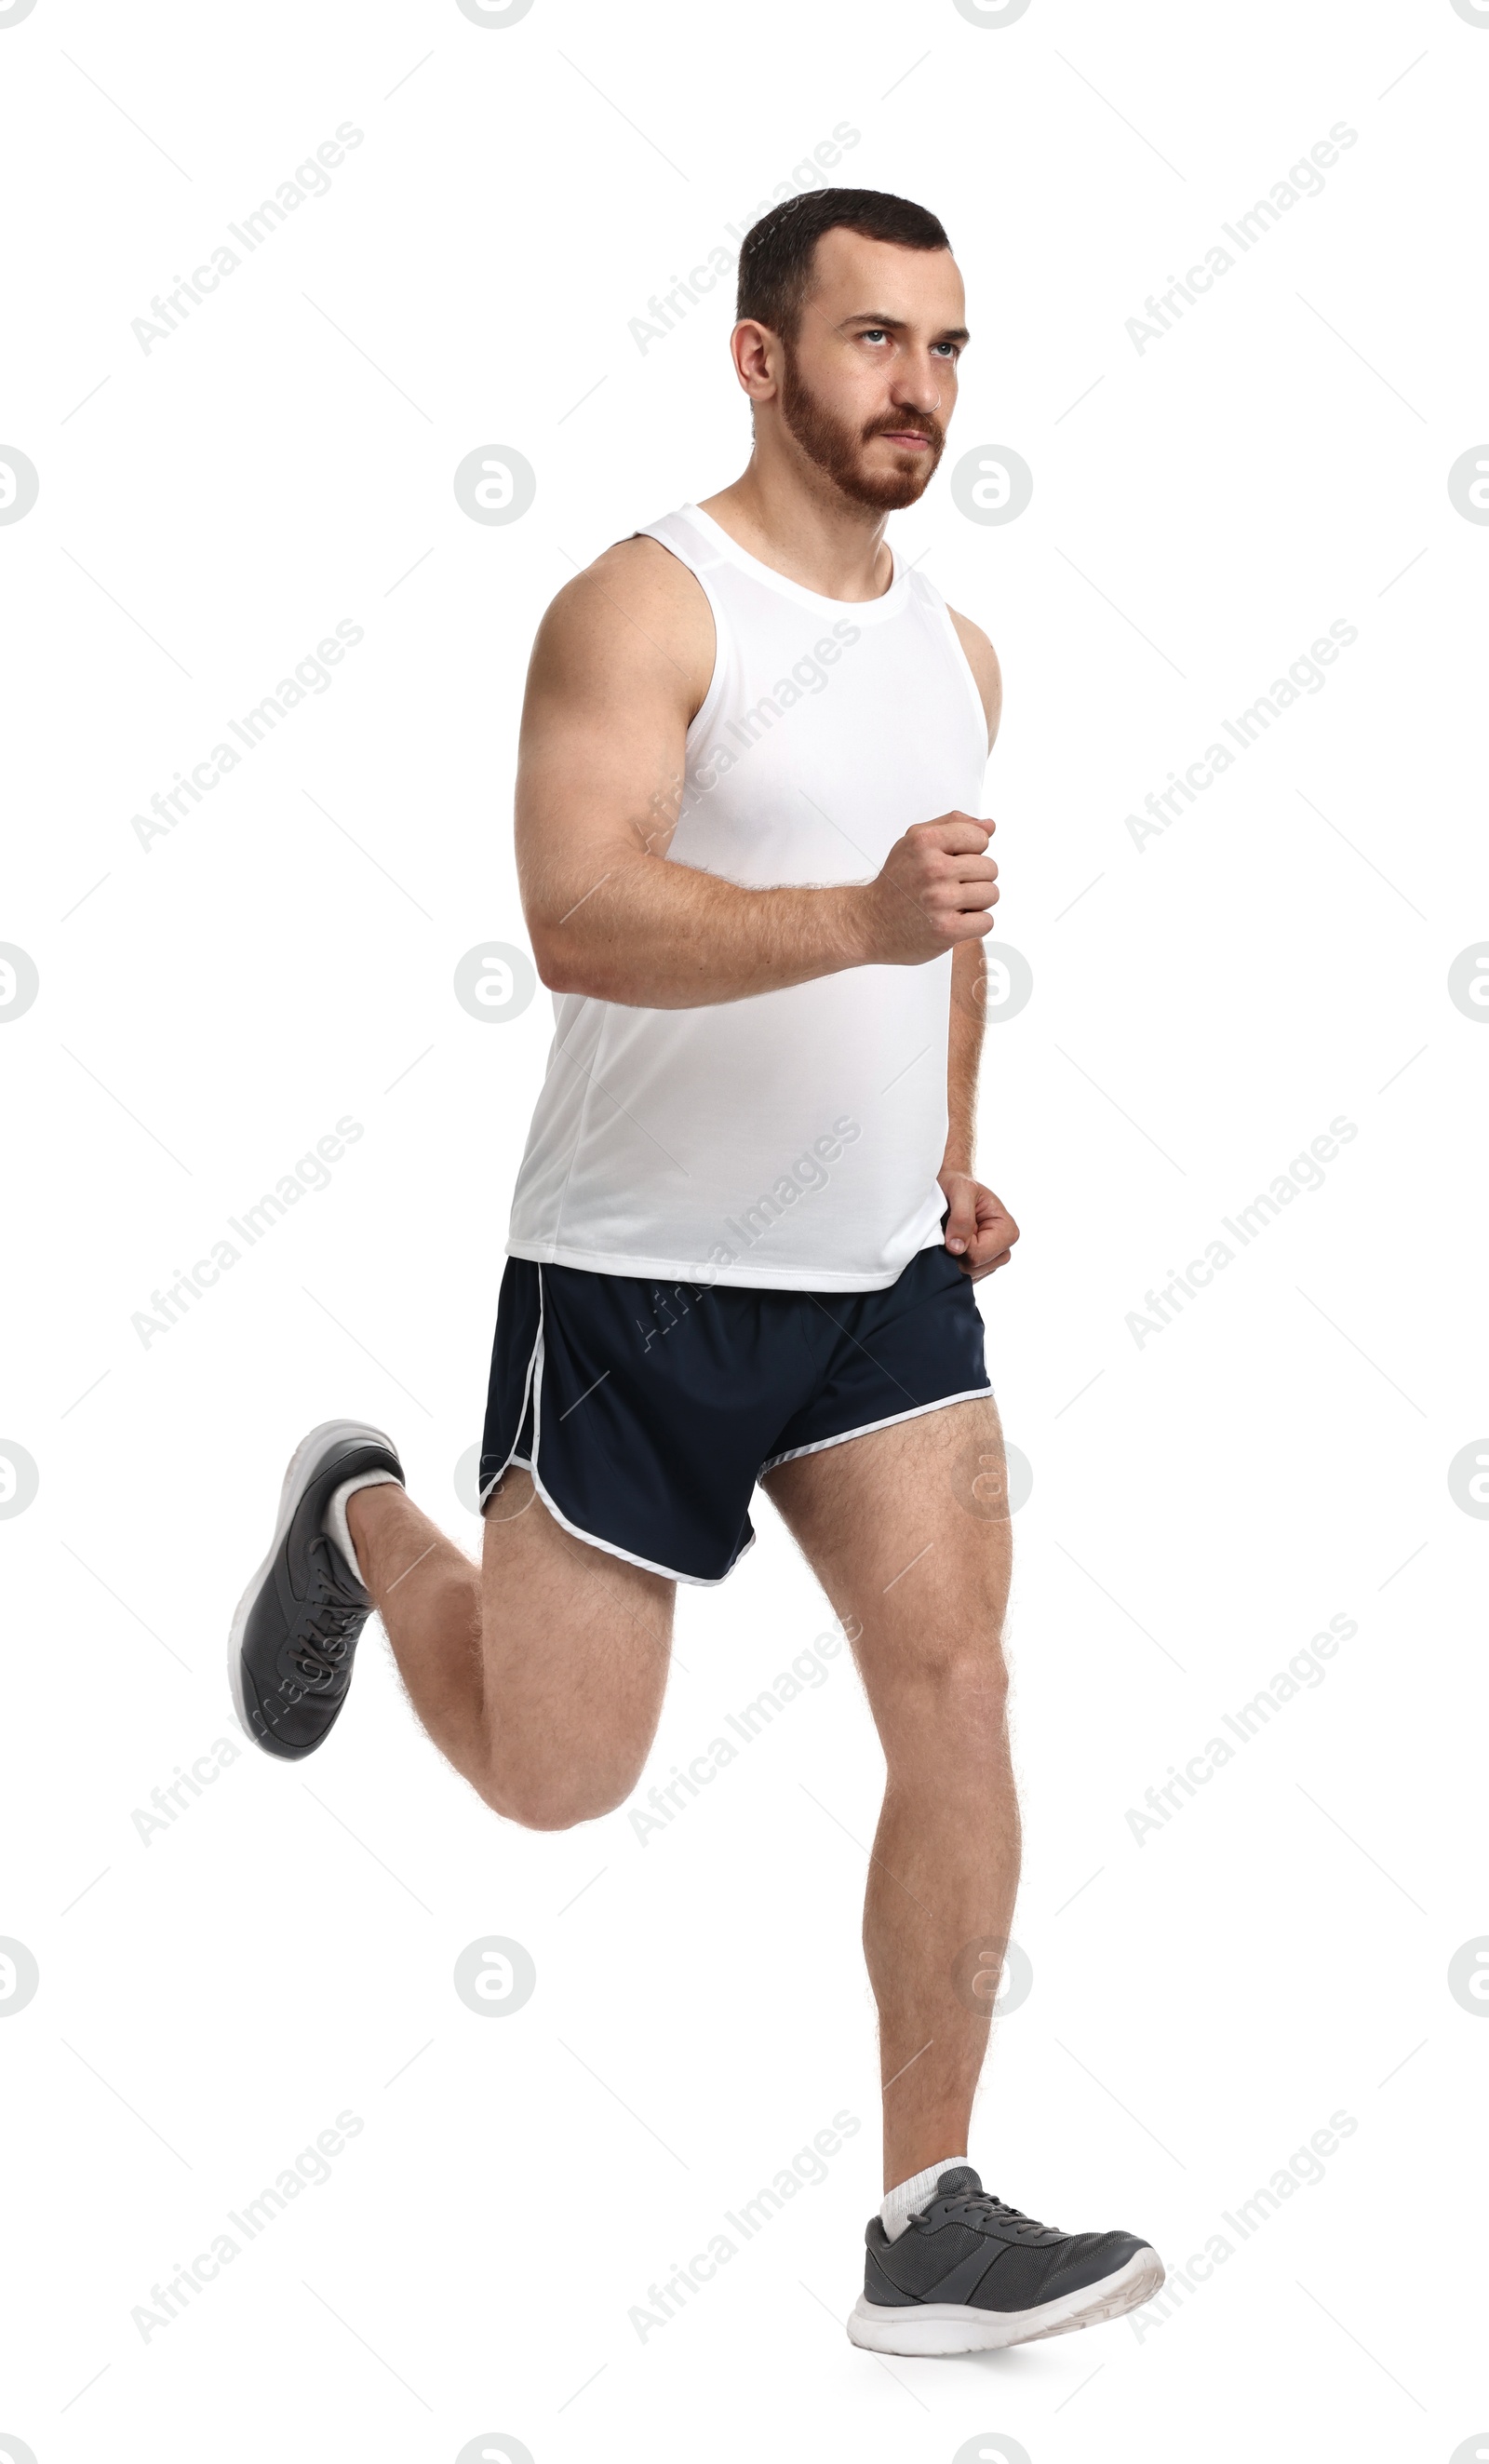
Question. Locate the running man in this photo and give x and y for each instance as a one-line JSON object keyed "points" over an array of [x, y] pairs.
{"points": [[747, 1226]]}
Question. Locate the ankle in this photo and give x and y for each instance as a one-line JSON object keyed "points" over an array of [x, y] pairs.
{"points": [[903, 2196], [367, 1509], [363, 1519]]}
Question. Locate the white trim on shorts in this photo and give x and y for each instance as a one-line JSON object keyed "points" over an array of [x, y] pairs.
{"points": [[795, 1453], [533, 1387], [533, 1363]]}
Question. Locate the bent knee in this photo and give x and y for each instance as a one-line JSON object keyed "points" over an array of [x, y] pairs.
{"points": [[555, 1800]]}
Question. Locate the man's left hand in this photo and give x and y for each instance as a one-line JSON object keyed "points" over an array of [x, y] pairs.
{"points": [[979, 1231]]}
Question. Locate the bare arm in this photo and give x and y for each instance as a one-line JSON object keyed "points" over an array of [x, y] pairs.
{"points": [[620, 664], [964, 1055], [969, 970], [979, 1229]]}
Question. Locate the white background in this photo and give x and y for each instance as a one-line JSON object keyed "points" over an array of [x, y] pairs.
{"points": [[1203, 1504]]}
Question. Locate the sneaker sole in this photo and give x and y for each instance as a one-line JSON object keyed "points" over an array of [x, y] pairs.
{"points": [[301, 1465], [940, 2327]]}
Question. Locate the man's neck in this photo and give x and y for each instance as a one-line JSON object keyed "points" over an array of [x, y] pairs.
{"points": [[822, 541]]}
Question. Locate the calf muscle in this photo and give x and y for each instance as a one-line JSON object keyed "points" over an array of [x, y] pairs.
{"points": [[908, 1531], [540, 1675]]}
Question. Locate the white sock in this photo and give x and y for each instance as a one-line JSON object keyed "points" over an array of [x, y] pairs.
{"points": [[335, 1523], [900, 2203]]}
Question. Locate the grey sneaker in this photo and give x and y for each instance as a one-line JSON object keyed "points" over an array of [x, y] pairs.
{"points": [[290, 1651], [969, 2272]]}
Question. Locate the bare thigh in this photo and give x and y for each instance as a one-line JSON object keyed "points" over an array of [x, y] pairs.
{"points": [[573, 1650], [908, 1531]]}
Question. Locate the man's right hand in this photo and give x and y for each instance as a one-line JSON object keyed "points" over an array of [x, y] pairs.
{"points": [[935, 889]]}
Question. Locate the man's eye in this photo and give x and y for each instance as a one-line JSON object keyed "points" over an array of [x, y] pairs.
{"points": [[875, 333]]}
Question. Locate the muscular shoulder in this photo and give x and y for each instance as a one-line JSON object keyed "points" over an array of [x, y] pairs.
{"points": [[636, 617], [982, 659]]}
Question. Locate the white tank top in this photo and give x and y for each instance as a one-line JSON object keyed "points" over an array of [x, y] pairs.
{"points": [[791, 1139]]}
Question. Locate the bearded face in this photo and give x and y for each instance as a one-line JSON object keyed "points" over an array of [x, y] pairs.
{"points": [[887, 480]]}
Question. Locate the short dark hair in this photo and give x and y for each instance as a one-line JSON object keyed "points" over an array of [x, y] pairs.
{"points": [[776, 260]]}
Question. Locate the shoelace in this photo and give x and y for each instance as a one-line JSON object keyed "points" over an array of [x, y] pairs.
{"points": [[984, 2209], [319, 1648]]}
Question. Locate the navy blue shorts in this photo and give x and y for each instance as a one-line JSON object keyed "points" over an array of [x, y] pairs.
{"points": [[646, 1412]]}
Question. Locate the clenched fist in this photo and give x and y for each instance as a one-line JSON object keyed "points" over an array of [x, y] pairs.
{"points": [[935, 889]]}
